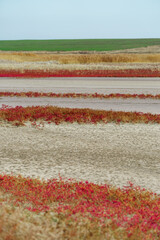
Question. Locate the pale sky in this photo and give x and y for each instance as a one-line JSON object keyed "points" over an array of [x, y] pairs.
{"points": [[79, 19]]}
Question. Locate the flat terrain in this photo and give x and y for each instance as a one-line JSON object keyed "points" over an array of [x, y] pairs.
{"points": [[82, 85], [127, 105], [111, 153], [85, 85], [103, 153], [143, 62], [99, 153], [76, 45]]}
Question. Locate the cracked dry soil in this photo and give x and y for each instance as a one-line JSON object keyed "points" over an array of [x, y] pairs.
{"points": [[111, 153]]}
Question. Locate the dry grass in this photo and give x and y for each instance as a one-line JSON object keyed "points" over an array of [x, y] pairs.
{"points": [[109, 58], [77, 61], [17, 223], [51, 66], [80, 58]]}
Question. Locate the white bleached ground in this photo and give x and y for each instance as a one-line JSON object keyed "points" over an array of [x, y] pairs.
{"points": [[128, 105], [108, 153], [83, 85]]}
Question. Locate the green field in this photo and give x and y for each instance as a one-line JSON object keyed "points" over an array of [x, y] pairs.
{"points": [[76, 45]]}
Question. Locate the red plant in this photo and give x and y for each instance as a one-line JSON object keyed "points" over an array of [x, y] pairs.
{"points": [[80, 73], [134, 209], [77, 95], [57, 115]]}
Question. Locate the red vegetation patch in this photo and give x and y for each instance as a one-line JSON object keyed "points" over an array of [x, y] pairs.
{"points": [[57, 115], [78, 95], [131, 208], [80, 73]]}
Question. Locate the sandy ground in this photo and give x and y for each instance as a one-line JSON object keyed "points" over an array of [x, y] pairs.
{"points": [[83, 85], [80, 82], [128, 105], [102, 154], [149, 49]]}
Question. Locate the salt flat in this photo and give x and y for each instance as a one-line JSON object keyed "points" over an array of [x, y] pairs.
{"points": [[128, 105], [89, 85], [99, 153], [105, 153]]}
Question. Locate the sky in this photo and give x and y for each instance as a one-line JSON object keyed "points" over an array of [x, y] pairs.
{"points": [[79, 19]]}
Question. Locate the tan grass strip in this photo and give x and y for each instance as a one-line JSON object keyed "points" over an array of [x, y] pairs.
{"points": [[79, 58]]}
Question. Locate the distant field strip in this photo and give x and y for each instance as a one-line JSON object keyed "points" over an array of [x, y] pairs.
{"points": [[76, 45]]}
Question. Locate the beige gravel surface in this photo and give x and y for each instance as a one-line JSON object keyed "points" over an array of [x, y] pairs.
{"points": [[128, 105], [83, 85], [107, 153]]}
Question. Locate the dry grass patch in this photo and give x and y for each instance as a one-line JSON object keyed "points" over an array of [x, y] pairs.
{"points": [[79, 58], [19, 224]]}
